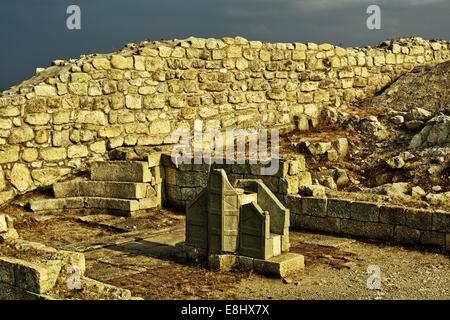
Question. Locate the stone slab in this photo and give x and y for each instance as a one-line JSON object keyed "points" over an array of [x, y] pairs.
{"points": [[57, 204], [112, 203], [281, 265], [109, 189], [222, 262], [30, 276], [127, 171]]}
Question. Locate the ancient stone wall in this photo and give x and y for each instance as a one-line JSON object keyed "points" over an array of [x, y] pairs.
{"points": [[380, 221], [73, 112], [184, 182]]}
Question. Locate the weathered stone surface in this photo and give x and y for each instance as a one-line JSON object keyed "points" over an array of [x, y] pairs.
{"points": [[222, 262], [92, 117], [53, 154], [112, 189], [20, 177], [314, 206], [21, 134], [57, 204], [2, 180], [312, 190], [77, 151], [121, 62], [133, 101], [282, 265], [339, 208], [160, 127], [392, 215], [433, 238], [5, 196], [48, 176], [323, 224], [3, 224], [419, 219], [406, 235], [364, 211], [436, 131], [128, 171], [289, 185], [36, 278], [9, 154], [98, 147], [121, 205], [45, 91]]}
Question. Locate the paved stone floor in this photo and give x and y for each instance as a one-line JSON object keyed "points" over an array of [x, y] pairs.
{"points": [[140, 254], [336, 268]]}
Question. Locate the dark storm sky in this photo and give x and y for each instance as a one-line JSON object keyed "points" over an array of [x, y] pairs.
{"points": [[33, 32]]}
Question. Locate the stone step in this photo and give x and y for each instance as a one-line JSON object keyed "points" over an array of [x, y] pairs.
{"points": [[127, 171], [57, 204], [119, 206], [108, 189]]}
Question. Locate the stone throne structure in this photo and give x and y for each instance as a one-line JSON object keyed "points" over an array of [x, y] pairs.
{"points": [[242, 226]]}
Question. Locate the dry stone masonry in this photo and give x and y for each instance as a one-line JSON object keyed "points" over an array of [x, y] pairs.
{"points": [[121, 187], [73, 112]]}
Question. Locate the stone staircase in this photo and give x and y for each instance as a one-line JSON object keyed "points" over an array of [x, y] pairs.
{"points": [[120, 187]]}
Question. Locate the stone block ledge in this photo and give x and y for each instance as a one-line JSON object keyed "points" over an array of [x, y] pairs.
{"points": [[396, 224]]}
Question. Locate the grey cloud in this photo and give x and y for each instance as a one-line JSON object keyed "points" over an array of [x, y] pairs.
{"points": [[33, 32]]}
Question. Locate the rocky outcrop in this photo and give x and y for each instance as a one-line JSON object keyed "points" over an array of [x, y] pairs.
{"points": [[435, 132]]}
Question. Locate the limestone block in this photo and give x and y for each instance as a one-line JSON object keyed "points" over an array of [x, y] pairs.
{"points": [[433, 238], [314, 206], [441, 221], [339, 208], [110, 132], [160, 127], [48, 176], [133, 101], [128, 171], [419, 219], [36, 278], [5, 124], [392, 215], [289, 185], [149, 203], [121, 62], [57, 204], [122, 190], [9, 154], [5, 196], [364, 211], [101, 63], [77, 151], [45, 91], [309, 86], [281, 265], [20, 177], [91, 117], [2, 179], [406, 235], [53, 154], [9, 111], [78, 88], [98, 147], [222, 262], [7, 270], [187, 179], [21, 134], [112, 204]]}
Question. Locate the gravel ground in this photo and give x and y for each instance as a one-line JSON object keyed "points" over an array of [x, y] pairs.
{"points": [[341, 273]]}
